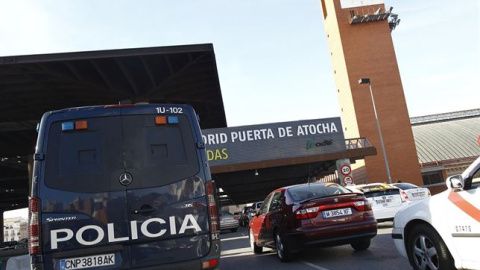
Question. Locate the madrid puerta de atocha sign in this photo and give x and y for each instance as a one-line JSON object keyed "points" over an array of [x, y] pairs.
{"points": [[254, 143]]}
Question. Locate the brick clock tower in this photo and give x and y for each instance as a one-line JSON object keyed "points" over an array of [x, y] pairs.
{"points": [[361, 47]]}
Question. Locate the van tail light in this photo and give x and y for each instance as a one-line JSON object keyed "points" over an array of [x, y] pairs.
{"points": [[33, 226], [121, 105], [212, 207], [404, 196], [210, 264]]}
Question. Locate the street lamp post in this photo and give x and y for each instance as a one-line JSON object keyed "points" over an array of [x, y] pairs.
{"points": [[365, 81]]}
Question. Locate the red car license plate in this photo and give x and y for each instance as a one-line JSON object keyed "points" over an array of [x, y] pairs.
{"points": [[337, 213]]}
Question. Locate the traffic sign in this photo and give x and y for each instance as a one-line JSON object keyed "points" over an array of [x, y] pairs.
{"points": [[345, 169], [348, 180]]}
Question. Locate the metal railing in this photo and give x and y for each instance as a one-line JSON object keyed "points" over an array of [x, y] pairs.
{"points": [[357, 143]]}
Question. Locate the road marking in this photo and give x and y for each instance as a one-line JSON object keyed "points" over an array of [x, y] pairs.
{"points": [[251, 255], [313, 265], [236, 251], [234, 238]]}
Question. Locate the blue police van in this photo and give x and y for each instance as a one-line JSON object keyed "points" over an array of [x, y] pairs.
{"points": [[122, 187]]}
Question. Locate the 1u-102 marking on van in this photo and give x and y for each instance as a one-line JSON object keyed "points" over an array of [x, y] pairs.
{"points": [[173, 110], [66, 234]]}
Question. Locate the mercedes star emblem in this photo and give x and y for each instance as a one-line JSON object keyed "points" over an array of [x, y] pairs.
{"points": [[125, 179]]}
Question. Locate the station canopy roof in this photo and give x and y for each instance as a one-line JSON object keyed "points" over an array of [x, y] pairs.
{"points": [[447, 137], [250, 182], [33, 84]]}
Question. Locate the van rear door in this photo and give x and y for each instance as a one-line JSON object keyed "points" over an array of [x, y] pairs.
{"points": [[166, 196], [83, 214], [124, 190]]}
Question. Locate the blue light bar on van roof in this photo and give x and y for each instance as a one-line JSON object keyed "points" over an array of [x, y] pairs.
{"points": [[77, 125], [172, 119], [68, 126]]}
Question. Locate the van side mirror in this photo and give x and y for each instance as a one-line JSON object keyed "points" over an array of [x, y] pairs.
{"points": [[455, 182]]}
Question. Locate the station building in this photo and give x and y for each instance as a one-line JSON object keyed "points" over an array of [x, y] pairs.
{"points": [[248, 162], [446, 145], [269, 155]]}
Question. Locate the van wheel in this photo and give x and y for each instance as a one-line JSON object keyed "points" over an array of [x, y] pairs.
{"points": [[361, 244], [283, 252], [256, 249], [234, 230], [426, 249]]}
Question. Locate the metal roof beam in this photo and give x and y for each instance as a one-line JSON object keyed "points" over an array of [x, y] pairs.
{"points": [[178, 73], [103, 75], [148, 71], [128, 76]]}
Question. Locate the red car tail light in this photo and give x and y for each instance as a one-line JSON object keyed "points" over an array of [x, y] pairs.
{"points": [[363, 205], [311, 212]]}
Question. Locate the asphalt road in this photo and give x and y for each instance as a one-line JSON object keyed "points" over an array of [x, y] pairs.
{"points": [[382, 254]]}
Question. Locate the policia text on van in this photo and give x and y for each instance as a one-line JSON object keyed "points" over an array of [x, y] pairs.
{"points": [[122, 187]]}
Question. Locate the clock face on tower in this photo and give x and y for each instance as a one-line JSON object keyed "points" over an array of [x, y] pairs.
{"points": [[359, 3]]}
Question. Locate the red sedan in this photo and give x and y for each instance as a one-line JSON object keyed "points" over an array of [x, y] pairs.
{"points": [[319, 214]]}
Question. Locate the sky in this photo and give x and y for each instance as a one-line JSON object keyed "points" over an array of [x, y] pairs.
{"points": [[272, 56], [16, 213]]}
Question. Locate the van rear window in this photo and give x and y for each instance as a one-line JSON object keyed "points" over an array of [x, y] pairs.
{"points": [[92, 160]]}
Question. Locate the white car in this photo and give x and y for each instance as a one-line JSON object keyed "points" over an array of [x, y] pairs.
{"points": [[228, 222], [386, 200], [255, 207], [412, 193], [443, 231]]}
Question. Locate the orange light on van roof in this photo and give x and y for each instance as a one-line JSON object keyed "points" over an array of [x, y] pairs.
{"points": [[81, 125], [160, 120]]}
